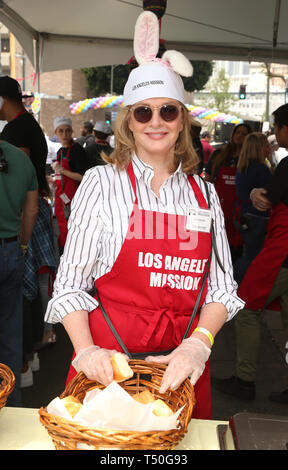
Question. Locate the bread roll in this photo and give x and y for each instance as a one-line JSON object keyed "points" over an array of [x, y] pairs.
{"points": [[122, 370], [161, 408], [144, 397], [72, 405]]}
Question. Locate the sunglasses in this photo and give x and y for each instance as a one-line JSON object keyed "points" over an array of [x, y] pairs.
{"points": [[168, 112]]}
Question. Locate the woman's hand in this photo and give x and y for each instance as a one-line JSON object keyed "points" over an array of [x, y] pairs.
{"points": [[188, 359], [95, 363]]}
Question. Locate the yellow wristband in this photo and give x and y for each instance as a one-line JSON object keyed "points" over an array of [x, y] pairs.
{"points": [[24, 248], [205, 332]]}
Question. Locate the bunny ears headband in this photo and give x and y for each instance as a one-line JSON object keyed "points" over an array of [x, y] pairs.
{"points": [[154, 78]]}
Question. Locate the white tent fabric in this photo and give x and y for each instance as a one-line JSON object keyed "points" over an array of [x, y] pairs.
{"points": [[81, 33]]}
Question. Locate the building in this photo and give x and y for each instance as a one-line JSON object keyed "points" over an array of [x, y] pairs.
{"points": [[262, 96], [58, 89]]}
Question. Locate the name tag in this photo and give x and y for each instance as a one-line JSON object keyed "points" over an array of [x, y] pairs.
{"points": [[198, 220], [65, 198]]}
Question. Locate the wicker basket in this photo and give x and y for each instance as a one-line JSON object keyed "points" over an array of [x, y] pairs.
{"points": [[7, 383], [67, 435]]}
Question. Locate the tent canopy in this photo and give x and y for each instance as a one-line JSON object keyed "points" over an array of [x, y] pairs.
{"points": [[58, 35]]}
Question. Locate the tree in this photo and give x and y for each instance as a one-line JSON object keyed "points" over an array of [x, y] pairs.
{"points": [[202, 70], [219, 97], [98, 79]]}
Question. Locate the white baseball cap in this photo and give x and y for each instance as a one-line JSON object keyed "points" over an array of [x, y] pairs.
{"points": [[153, 80], [62, 121]]}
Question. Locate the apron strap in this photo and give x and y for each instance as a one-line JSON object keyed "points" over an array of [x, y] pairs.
{"points": [[60, 159], [141, 355], [196, 306], [213, 244], [131, 175], [213, 239], [111, 326]]}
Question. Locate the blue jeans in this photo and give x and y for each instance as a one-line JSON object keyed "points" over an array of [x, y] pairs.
{"points": [[11, 278]]}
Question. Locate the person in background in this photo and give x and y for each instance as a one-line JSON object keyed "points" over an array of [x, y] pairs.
{"points": [[87, 136], [274, 147], [111, 141], [252, 172], [18, 213], [221, 170], [195, 135], [53, 148], [151, 176], [69, 168], [265, 284], [23, 131], [102, 132], [207, 148]]}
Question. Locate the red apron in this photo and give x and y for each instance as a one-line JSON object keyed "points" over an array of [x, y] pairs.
{"points": [[64, 185], [151, 290], [262, 272], [225, 186]]}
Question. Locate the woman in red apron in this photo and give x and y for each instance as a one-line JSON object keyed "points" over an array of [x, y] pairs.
{"points": [[156, 318], [221, 169], [67, 180], [154, 301]]}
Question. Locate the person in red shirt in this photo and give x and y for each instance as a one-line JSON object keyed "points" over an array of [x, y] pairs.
{"points": [[207, 148]]}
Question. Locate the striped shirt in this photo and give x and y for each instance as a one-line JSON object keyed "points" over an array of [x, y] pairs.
{"points": [[98, 224]]}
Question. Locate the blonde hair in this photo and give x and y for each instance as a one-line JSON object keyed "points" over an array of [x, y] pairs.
{"points": [[125, 144], [252, 151]]}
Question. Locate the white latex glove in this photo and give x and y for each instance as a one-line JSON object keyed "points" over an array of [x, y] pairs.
{"points": [[95, 363], [56, 167], [188, 359]]}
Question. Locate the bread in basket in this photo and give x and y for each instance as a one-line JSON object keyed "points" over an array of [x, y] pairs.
{"points": [[7, 383], [68, 435]]}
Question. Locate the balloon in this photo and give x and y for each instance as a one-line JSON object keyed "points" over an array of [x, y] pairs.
{"points": [[117, 101]]}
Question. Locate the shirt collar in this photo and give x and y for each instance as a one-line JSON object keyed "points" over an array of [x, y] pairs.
{"points": [[141, 167]]}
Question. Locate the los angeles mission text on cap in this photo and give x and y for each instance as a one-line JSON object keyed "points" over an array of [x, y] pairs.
{"points": [[151, 82]]}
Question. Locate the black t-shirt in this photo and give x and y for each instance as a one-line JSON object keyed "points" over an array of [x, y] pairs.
{"points": [[77, 157], [24, 131], [277, 190], [93, 153]]}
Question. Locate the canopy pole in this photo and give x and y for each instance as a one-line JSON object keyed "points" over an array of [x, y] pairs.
{"points": [[276, 22], [37, 69]]}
